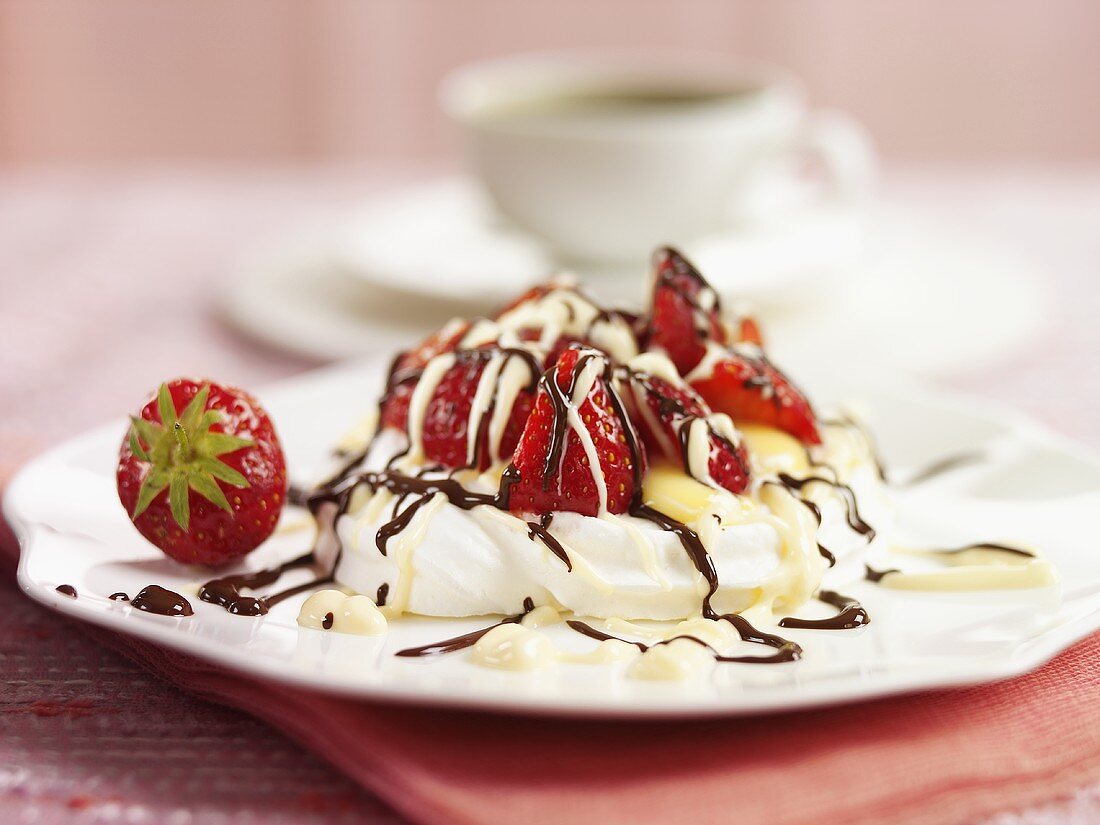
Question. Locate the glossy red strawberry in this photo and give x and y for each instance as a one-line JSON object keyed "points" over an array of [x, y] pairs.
{"points": [[407, 367], [553, 464], [446, 426], [201, 472], [748, 388], [685, 314], [664, 413], [745, 330]]}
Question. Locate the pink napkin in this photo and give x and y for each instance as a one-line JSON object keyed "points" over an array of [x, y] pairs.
{"points": [[951, 756]]}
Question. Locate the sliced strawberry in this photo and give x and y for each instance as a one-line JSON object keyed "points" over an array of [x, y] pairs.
{"points": [[439, 342], [665, 412], [445, 433], [747, 331], [685, 313], [406, 369], [533, 294], [728, 464], [658, 407], [551, 467], [748, 388]]}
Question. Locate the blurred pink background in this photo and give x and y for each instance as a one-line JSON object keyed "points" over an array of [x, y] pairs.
{"points": [[280, 80]]}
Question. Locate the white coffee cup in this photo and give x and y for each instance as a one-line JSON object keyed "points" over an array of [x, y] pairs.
{"points": [[607, 156]]}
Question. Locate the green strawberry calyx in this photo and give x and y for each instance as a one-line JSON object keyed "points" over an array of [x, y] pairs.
{"points": [[184, 454]]}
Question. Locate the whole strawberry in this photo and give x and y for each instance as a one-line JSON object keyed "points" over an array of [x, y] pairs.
{"points": [[201, 472]]}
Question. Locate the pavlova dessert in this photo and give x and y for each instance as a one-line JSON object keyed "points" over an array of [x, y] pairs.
{"points": [[605, 463], [652, 481]]}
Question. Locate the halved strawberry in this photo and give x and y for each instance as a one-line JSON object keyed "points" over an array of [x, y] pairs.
{"points": [[552, 465], [445, 434], [686, 312], [406, 368], [748, 388], [664, 414]]}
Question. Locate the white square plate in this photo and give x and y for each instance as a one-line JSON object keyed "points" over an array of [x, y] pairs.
{"points": [[1034, 488]]}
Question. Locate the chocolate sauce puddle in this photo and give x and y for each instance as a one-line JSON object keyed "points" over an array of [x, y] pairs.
{"points": [[66, 590], [466, 639], [850, 614], [163, 602], [119, 597]]}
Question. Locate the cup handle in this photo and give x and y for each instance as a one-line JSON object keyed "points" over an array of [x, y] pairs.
{"points": [[845, 152]]}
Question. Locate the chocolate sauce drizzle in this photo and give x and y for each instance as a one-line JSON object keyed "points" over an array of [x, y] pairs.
{"points": [[66, 590], [326, 622], [297, 495], [466, 639], [559, 402], [876, 576], [119, 597], [163, 602], [855, 520], [226, 591], [383, 593], [850, 614], [982, 545], [785, 650], [541, 530]]}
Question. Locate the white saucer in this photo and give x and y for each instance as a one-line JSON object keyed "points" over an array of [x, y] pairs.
{"points": [[933, 300], [443, 239], [1036, 489]]}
